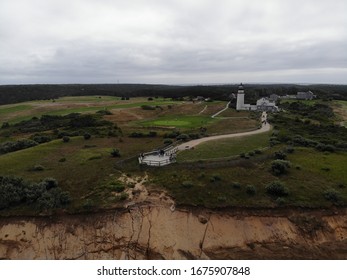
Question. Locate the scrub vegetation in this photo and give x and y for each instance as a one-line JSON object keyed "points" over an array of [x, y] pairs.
{"points": [[85, 144]]}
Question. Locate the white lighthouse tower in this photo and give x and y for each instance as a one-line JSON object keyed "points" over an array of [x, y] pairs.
{"points": [[240, 102]]}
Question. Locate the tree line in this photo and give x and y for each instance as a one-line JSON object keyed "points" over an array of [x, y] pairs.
{"points": [[10, 94]]}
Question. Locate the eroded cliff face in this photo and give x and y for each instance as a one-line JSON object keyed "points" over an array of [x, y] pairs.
{"points": [[160, 232]]}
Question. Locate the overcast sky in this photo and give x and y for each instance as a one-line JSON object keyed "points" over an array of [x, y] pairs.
{"points": [[173, 41]]}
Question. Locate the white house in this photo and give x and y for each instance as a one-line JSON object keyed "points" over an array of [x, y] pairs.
{"points": [[263, 104]]}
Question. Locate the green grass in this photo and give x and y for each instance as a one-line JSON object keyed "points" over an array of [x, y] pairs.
{"points": [[225, 147], [13, 109], [80, 106], [306, 185], [179, 121], [78, 169], [101, 98]]}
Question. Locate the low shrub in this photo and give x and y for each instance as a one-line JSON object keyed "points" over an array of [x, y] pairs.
{"points": [[279, 167], [236, 185], [277, 189], [187, 184], [280, 155], [38, 167], [251, 190], [87, 136], [115, 153], [333, 196]]}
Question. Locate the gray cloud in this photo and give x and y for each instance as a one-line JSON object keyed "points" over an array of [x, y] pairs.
{"points": [[173, 41]]}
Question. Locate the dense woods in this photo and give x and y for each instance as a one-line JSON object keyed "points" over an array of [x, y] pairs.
{"points": [[18, 93]]}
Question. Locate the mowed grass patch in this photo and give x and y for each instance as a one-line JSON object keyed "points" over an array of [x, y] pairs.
{"points": [[225, 147], [179, 121]]}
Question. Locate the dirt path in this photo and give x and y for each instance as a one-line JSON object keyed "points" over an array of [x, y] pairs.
{"points": [[221, 111], [265, 127], [203, 110]]}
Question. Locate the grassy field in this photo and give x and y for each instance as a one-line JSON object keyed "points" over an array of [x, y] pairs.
{"points": [[85, 168], [81, 166], [67, 105], [179, 121], [225, 148], [306, 181], [340, 108]]}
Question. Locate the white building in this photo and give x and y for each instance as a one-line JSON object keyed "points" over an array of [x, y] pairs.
{"points": [[308, 95], [263, 104]]}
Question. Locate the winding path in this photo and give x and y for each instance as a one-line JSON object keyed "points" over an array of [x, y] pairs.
{"points": [[154, 158], [264, 128], [221, 111]]}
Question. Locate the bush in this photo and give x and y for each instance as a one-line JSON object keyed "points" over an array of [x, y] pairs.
{"points": [[333, 196], [66, 139], [280, 155], [236, 185], [87, 136], [41, 138], [115, 153], [251, 190], [257, 152], [280, 201], [147, 107], [187, 184], [289, 149], [136, 135], [38, 167], [183, 137], [325, 148], [49, 183], [45, 194], [277, 189], [168, 141], [172, 134], [13, 146], [215, 178], [279, 167], [5, 125], [152, 134], [117, 188], [194, 136]]}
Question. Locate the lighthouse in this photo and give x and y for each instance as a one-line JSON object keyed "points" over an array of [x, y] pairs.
{"points": [[240, 103]]}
